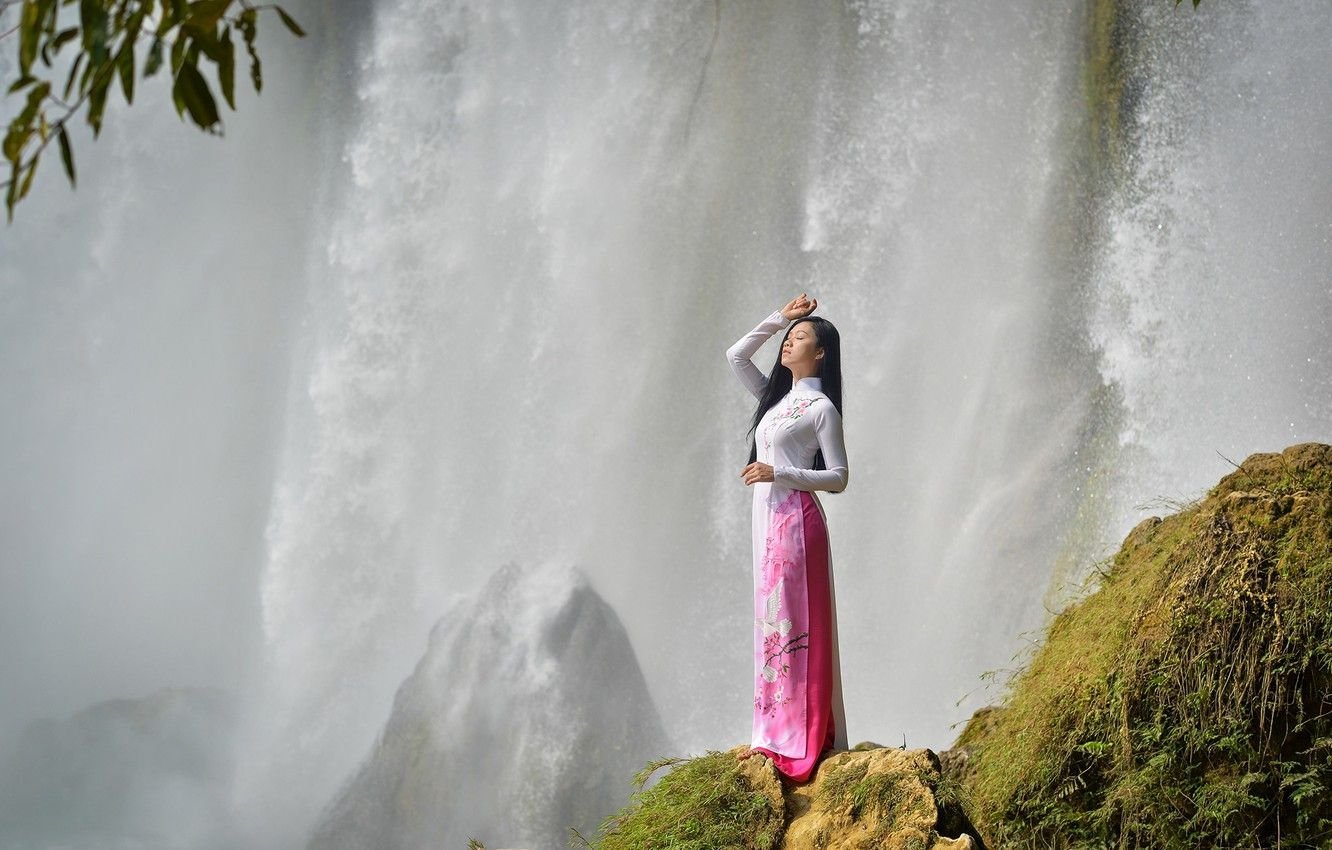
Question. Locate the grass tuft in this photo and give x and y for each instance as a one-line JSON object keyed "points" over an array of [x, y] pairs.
{"points": [[704, 803]]}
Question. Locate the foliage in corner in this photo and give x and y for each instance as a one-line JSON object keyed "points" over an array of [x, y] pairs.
{"points": [[106, 36]]}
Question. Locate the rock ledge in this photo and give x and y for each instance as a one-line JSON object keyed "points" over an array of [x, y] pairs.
{"points": [[864, 799]]}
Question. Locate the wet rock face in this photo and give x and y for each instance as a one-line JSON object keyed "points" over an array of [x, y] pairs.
{"points": [[524, 718]]}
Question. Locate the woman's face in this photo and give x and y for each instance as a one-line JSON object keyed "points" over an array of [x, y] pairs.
{"points": [[800, 351]]}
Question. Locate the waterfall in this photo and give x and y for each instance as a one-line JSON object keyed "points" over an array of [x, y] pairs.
{"points": [[557, 221], [459, 296], [1212, 288]]}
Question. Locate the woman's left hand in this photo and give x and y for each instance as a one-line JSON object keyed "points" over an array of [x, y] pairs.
{"points": [[756, 472]]}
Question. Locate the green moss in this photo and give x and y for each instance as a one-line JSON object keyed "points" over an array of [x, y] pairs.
{"points": [[1285, 474], [854, 790], [887, 799], [1187, 702], [706, 803]]}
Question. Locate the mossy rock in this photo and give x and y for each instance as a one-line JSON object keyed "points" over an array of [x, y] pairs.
{"points": [[714, 802], [866, 799], [874, 799], [1188, 701]]}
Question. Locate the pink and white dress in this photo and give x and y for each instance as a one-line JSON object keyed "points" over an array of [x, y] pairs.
{"points": [[798, 710]]}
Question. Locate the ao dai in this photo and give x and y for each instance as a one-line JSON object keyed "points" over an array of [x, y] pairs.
{"points": [[797, 684]]}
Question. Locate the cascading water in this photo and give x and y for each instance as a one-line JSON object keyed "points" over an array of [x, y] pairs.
{"points": [[540, 228], [144, 320], [1213, 294], [560, 219]]}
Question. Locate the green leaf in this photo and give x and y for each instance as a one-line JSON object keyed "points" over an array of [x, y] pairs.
{"points": [[249, 30], [66, 153], [154, 61], [47, 12], [15, 140], [64, 38], [11, 192], [168, 21], [196, 97], [204, 14], [73, 73], [35, 98], [85, 77], [30, 31], [208, 42], [226, 68], [296, 28], [135, 22], [27, 179], [46, 16], [178, 53], [97, 104], [93, 19], [125, 65], [21, 83]]}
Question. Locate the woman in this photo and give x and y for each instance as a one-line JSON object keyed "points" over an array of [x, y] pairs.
{"points": [[797, 448]]}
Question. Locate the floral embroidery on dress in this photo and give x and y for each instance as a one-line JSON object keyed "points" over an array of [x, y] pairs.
{"points": [[775, 641], [796, 407], [774, 647], [779, 646], [768, 707]]}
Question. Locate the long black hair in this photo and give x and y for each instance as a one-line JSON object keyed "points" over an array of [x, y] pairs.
{"points": [[779, 379]]}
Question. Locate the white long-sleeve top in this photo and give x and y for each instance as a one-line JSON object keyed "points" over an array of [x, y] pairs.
{"points": [[792, 431]]}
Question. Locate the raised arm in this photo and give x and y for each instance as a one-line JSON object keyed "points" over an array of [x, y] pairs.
{"points": [[739, 354], [828, 429]]}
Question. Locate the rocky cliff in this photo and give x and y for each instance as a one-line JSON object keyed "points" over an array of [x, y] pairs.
{"points": [[1187, 702], [524, 718]]}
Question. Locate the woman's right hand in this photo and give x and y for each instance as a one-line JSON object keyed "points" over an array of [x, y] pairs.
{"points": [[799, 307]]}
